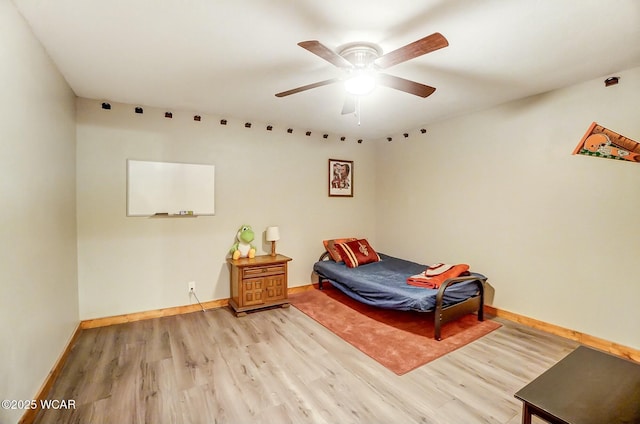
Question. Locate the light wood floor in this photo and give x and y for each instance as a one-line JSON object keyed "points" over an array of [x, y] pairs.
{"points": [[280, 366]]}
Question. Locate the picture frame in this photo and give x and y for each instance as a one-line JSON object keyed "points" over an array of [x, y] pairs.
{"points": [[340, 178]]}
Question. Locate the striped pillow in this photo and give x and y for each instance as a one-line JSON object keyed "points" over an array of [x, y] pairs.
{"points": [[330, 245], [356, 253]]}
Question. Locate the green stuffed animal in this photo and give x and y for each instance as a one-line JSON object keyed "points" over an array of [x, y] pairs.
{"points": [[243, 247]]}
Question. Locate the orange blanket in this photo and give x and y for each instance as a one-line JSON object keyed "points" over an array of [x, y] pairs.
{"points": [[436, 274]]}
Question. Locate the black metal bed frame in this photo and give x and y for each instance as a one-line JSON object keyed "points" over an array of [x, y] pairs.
{"points": [[443, 314]]}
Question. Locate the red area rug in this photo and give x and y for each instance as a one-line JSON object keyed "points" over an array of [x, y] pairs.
{"points": [[399, 340]]}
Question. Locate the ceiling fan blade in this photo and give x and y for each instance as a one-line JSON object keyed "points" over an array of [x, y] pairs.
{"points": [[349, 104], [425, 45], [405, 85], [307, 87], [319, 49]]}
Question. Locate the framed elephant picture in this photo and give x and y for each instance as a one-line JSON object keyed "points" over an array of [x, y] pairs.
{"points": [[340, 178]]}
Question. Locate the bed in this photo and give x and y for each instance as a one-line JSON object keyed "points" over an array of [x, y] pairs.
{"points": [[384, 284]]}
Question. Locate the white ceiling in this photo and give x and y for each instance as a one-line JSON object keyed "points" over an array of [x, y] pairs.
{"points": [[228, 58]]}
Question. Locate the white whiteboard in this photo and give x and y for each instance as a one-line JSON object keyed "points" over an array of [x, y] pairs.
{"points": [[168, 188]]}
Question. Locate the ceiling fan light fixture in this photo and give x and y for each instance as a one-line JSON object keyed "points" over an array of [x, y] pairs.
{"points": [[361, 83], [362, 62]]}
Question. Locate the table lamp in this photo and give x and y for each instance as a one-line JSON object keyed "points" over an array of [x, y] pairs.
{"points": [[273, 235]]}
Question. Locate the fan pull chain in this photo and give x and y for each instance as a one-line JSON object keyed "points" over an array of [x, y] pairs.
{"points": [[358, 109]]}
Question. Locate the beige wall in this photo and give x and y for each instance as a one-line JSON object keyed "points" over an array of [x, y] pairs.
{"points": [[131, 264], [556, 234], [38, 287]]}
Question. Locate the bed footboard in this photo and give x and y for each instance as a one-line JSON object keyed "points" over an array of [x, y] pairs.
{"points": [[444, 314]]}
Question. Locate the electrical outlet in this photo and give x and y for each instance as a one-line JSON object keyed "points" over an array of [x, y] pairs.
{"points": [[192, 286]]}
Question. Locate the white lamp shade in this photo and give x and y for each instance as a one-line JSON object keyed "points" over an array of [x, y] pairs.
{"points": [[273, 233]]}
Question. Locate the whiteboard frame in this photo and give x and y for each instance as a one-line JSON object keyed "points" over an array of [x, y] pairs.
{"points": [[167, 188]]}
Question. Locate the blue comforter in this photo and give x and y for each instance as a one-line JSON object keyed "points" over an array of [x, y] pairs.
{"points": [[384, 284]]}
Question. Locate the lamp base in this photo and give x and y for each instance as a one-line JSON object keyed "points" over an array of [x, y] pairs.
{"points": [[273, 248]]}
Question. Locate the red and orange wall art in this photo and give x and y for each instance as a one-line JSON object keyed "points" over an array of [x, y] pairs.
{"points": [[601, 142]]}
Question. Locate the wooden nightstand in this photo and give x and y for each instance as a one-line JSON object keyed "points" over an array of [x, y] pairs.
{"points": [[258, 283]]}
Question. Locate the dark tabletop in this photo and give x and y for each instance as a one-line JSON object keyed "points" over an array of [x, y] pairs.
{"points": [[588, 387]]}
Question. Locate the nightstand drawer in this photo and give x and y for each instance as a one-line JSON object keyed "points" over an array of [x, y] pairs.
{"points": [[264, 270]]}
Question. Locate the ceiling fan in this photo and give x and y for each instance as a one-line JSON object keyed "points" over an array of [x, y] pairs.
{"points": [[363, 63]]}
